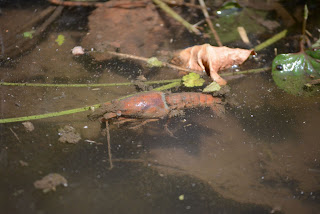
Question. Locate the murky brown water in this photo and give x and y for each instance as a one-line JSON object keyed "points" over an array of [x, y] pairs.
{"points": [[263, 157]]}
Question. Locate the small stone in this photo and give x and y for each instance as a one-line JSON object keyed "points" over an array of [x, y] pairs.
{"points": [[29, 126], [78, 50]]}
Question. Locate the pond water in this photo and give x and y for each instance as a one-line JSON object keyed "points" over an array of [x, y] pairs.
{"points": [[262, 157]]}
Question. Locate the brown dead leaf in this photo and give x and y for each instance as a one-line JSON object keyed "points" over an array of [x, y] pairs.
{"points": [[211, 59]]}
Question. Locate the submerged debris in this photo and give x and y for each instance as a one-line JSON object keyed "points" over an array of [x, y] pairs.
{"points": [[50, 182], [29, 126], [68, 134], [78, 50], [137, 30]]}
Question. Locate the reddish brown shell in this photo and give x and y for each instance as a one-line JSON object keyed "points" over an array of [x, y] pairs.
{"points": [[145, 105], [191, 100]]}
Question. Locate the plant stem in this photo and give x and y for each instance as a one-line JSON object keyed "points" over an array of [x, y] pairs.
{"points": [[206, 15], [165, 64], [176, 16], [87, 85], [270, 41], [304, 25], [245, 72], [76, 110]]}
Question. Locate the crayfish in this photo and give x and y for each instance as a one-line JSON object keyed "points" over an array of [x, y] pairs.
{"points": [[155, 105]]}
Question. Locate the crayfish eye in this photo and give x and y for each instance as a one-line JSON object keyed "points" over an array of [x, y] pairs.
{"points": [[279, 67]]}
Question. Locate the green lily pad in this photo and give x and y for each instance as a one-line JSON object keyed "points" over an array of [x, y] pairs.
{"points": [[292, 71], [214, 86], [192, 80], [154, 62], [60, 39]]}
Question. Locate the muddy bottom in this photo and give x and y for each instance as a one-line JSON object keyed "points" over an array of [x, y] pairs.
{"points": [[262, 157]]}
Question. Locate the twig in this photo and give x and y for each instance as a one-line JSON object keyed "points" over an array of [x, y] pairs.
{"points": [[183, 4], [109, 145], [1, 45], [304, 25], [176, 16], [120, 4], [206, 15], [270, 41], [76, 3], [313, 82], [15, 135], [128, 56]]}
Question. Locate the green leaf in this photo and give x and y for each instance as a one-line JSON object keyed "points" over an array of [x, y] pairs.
{"points": [[154, 62], [28, 34], [214, 86], [192, 80], [60, 39], [229, 8], [292, 71]]}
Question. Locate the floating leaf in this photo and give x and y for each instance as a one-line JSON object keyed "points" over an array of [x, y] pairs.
{"points": [[292, 71], [154, 62], [60, 39], [212, 87], [192, 80], [28, 34]]}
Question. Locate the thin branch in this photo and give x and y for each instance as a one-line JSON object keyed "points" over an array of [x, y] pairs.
{"points": [[206, 15], [128, 56], [15, 135], [176, 16], [109, 145]]}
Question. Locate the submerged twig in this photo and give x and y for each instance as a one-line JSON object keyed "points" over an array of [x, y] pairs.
{"points": [[304, 25], [177, 3], [313, 82], [176, 16], [109, 145], [206, 15], [165, 64], [15, 135]]}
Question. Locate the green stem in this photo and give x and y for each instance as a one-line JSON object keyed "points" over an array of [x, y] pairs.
{"points": [[87, 85], [77, 110], [245, 72], [176, 16], [270, 41]]}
